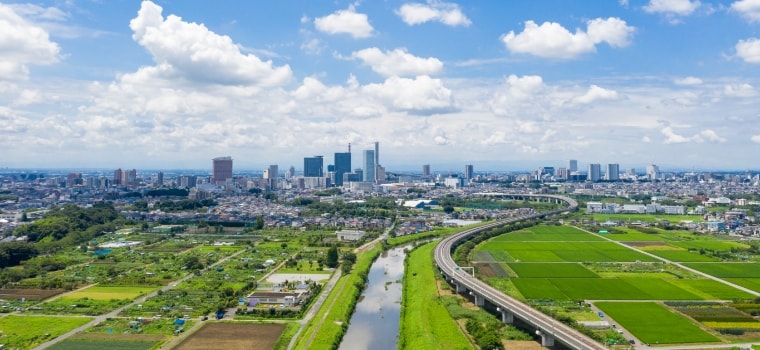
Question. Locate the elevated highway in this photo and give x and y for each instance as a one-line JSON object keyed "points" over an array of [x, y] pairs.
{"points": [[548, 328]]}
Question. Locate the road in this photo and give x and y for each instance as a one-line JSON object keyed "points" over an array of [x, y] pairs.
{"points": [[115, 313]]}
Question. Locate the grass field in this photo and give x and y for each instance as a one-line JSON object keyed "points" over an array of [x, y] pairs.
{"points": [[601, 289], [425, 322], [711, 290], [627, 234], [647, 217], [26, 332], [680, 255], [109, 341], [562, 251], [547, 233], [537, 270], [751, 283], [654, 324], [728, 270], [110, 292]]}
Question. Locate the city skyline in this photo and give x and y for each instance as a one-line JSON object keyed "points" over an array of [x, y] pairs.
{"points": [[514, 85]]}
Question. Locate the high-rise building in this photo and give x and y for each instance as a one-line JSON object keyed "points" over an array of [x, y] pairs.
{"points": [[426, 170], [653, 172], [342, 166], [160, 179], [222, 169], [572, 165], [594, 172], [290, 173], [369, 165], [270, 176], [468, 171], [613, 172], [313, 167], [118, 177]]}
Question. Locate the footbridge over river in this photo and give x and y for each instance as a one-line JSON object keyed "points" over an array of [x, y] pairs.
{"points": [[511, 309]]}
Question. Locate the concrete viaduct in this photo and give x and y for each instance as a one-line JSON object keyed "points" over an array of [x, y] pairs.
{"points": [[549, 329]]}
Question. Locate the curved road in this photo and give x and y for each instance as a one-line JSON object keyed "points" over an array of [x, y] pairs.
{"points": [[545, 324]]}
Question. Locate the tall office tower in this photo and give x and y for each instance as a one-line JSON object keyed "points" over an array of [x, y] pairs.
{"points": [[653, 172], [369, 166], [613, 172], [222, 169], [118, 177], [561, 173], [270, 176], [468, 171], [594, 172], [379, 173], [130, 177], [342, 166], [426, 170], [290, 173], [572, 165], [160, 179], [74, 179], [313, 167]]}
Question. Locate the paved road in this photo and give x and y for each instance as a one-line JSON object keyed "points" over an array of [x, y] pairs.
{"points": [[115, 313]]}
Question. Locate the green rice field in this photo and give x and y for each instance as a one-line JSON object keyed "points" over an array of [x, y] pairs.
{"points": [[110, 292], [652, 323]]}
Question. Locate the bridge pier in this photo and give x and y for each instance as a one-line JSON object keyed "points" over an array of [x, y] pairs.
{"points": [[546, 339], [507, 317], [459, 287], [479, 300]]}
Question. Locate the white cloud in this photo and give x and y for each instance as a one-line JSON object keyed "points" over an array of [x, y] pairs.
{"points": [[398, 62], [22, 44], [518, 93], [552, 40], [706, 135], [447, 13], [672, 7], [749, 9], [419, 95], [749, 50], [313, 47], [39, 13], [755, 138], [596, 93], [739, 90], [345, 22], [688, 81], [646, 139], [191, 51]]}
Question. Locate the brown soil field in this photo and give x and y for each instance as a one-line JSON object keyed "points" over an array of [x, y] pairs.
{"points": [[521, 345], [231, 336], [29, 294], [485, 269]]}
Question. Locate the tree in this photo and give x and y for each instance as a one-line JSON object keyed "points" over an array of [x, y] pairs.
{"points": [[332, 257], [448, 209], [259, 223]]}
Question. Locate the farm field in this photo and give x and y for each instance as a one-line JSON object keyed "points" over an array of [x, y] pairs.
{"points": [[233, 337], [537, 266], [29, 294], [26, 332], [647, 217], [109, 341], [101, 292], [652, 323]]}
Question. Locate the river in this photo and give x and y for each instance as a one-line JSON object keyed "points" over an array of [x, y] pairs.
{"points": [[375, 322]]}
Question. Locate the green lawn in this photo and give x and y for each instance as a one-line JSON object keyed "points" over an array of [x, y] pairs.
{"points": [[425, 322], [654, 324]]}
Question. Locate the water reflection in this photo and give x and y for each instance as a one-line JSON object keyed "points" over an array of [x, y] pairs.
{"points": [[375, 322]]}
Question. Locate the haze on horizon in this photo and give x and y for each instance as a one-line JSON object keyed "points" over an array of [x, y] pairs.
{"points": [[163, 84]]}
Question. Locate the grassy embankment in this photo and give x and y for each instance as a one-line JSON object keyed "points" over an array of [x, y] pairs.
{"points": [[425, 322], [326, 329]]}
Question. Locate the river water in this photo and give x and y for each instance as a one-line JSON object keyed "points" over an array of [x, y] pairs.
{"points": [[375, 322]]}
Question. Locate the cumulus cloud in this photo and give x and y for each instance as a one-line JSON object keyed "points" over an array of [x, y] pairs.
{"points": [[755, 138], [706, 135], [22, 44], [191, 51], [672, 7], [688, 81], [552, 40], [398, 62], [345, 22], [749, 9], [596, 93], [516, 92], [739, 90], [422, 94], [749, 50], [447, 13]]}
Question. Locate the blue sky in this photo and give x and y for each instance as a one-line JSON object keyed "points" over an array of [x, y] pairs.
{"points": [[498, 84]]}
